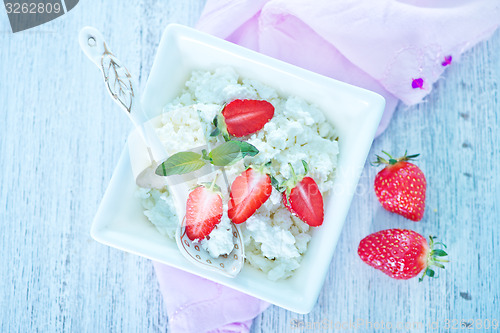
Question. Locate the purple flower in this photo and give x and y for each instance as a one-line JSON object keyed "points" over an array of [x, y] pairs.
{"points": [[417, 83], [447, 60]]}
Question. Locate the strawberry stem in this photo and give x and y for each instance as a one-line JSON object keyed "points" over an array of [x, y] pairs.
{"points": [[294, 176], [220, 125], [433, 258], [262, 168], [205, 155], [387, 154], [391, 161], [292, 181], [213, 182]]}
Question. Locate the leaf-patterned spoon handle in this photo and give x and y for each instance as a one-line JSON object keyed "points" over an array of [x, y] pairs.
{"points": [[121, 86]]}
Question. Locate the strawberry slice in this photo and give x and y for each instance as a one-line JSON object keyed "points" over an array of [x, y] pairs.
{"points": [[303, 198], [203, 211], [248, 192], [245, 116], [306, 202]]}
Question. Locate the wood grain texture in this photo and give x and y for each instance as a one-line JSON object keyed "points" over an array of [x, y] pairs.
{"points": [[61, 136]]}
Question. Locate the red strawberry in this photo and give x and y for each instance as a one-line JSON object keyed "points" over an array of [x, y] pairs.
{"points": [[401, 254], [243, 117], [203, 211], [303, 199], [287, 203], [400, 187], [248, 192]]}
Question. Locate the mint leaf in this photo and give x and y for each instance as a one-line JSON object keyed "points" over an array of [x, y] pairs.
{"points": [[231, 152], [180, 163]]}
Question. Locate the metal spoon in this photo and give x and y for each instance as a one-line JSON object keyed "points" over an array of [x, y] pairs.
{"points": [[124, 92]]}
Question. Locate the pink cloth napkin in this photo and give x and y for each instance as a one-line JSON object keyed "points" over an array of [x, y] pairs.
{"points": [[395, 48], [196, 305]]}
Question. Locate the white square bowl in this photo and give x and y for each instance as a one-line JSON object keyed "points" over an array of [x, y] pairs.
{"points": [[354, 112]]}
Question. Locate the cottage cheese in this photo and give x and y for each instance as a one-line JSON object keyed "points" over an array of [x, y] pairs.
{"points": [[221, 238], [274, 239]]}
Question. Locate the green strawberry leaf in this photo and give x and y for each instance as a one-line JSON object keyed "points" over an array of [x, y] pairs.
{"points": [[439, 253], [180, 163], [231, 152], [215, 132], [275, 183], [220, 126], [306, 167]]}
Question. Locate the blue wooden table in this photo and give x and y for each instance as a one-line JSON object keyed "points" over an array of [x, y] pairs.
{"points": [[61, 136]]}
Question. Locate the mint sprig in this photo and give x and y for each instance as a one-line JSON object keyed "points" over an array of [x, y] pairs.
{"points": [[225, 154]]}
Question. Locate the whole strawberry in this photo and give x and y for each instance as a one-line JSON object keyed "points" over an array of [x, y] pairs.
{"points": [[401, 254], [400, 187], [302, 197]]}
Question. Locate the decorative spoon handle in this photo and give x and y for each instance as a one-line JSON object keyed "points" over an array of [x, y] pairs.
{"points": [[121, 86], [119, 82]]}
